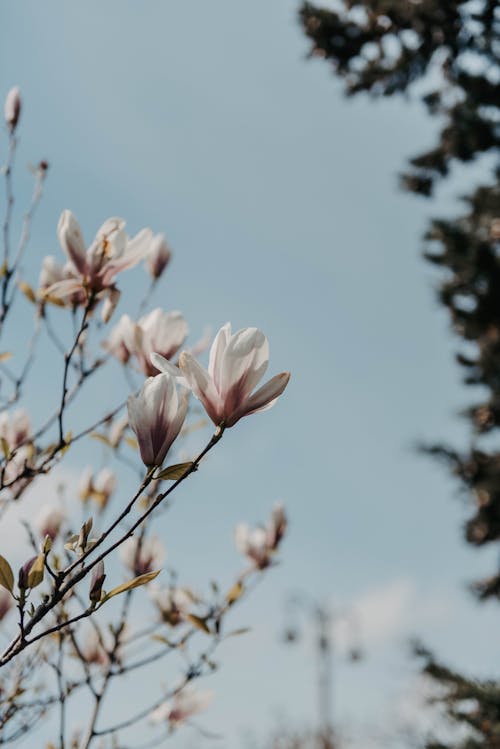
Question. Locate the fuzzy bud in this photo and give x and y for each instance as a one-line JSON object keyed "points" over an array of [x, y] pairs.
{"points": [[12, 108]]}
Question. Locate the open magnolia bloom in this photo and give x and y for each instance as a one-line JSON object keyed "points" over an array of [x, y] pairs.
{"points": [[142, 555], [237, 363], [49, 520], [93, 270], [157, 331], [181, 707], [173, 603], [156, 416], [260, 544]]}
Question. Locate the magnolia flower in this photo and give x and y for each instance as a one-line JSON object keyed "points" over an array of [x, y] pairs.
{"points": [[172, 603], [12, 108], [158, 256], [49, 520], [117, 431], [6, 603], [93, 649], [181, 707], [236, 364], [158, 331], [260, 544], [142, 555], [156, 416], [96, 582], [93, 270], [51, 273], [99, 488], [15, 428]]}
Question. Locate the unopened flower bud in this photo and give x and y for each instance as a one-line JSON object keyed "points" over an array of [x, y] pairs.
{"points": [[12, 108], [158, 257], [24, 573], [96, 582]]}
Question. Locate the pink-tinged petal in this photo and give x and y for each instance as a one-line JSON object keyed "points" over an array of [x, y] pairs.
{"points": [[174, 425], [63, 289], [71, 240], [164, 365], [202, 386], [139, 423], [216, 352], [245, 347], [262, 399], [109, 306]]}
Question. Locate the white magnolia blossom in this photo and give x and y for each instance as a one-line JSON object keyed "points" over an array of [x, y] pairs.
{"points": [[99, 487], [236, 364], [49, 520], [260, 544], [172, 602], [158, 256], [156, 416], [181, 707], [12, 107], [157, 331], [15, 428], [94, 270], [93, 648], [117, 431], [142, 555]]}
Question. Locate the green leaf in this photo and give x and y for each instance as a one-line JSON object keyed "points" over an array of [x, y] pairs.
{"points": [[35, 575], [198, 622], [174, 472], [6, 574], [135, 583]]}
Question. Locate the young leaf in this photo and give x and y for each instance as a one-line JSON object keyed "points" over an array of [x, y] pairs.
{"points": [[235, 593], [198, 622], [6, 575], [35, 575], [27, 291], [135, 583], [174, 472]]}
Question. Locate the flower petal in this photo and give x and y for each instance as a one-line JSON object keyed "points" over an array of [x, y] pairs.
{"points": [[263, 398]]}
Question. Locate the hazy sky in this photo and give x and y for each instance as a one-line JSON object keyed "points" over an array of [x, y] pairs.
{"points": [[280, 200]]}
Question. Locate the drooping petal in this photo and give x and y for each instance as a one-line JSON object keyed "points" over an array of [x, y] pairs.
{"points": [[263, 398]]}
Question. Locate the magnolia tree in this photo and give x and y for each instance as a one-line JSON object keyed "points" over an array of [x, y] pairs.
{"points": [[59, 649]]}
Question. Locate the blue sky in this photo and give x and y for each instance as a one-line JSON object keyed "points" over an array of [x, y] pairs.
{"points": [[280, 200]]}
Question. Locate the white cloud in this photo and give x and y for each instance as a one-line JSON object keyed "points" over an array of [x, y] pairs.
{"points": [[396, 609]]}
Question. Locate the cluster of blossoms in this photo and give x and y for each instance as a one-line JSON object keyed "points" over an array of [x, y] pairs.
{"points": [[90, 273], [237, 362], [47, 588]]}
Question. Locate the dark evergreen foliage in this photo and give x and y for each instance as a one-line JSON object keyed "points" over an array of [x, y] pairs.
{"points": [[383, 47]]}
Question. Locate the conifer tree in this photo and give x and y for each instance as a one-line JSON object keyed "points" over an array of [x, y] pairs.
{"points": [[382, 47]]}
